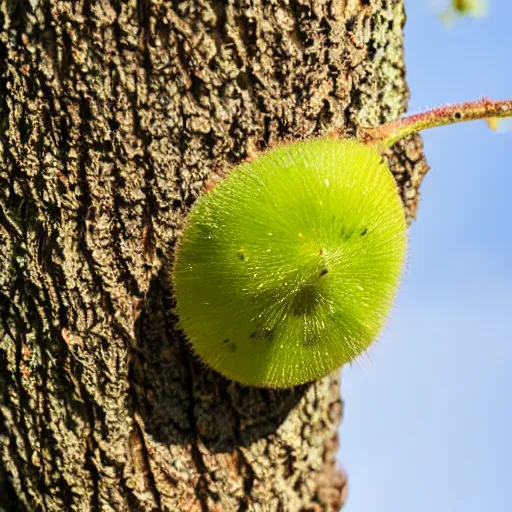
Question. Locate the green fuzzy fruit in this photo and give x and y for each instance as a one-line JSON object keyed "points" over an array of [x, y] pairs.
{"points": [[287, 269]]}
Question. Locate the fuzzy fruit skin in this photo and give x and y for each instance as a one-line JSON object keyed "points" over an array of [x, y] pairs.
{"points": [[287, 269]]}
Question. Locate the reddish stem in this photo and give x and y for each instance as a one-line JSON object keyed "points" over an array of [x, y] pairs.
{"points": [[389, 133]]}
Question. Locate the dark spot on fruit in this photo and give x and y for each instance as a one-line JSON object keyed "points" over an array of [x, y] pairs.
{"points": [[346, 234], [323, 272], [309, 342], [365, 230], [305, 300], [263, 334], [241, 256], [232, 347], [226, 340], [458, 115], [320, 252], [205, 231], [266, 334], [333, 218]]}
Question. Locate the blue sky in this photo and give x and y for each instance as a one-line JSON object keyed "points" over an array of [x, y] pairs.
{"points": [[428, 414]]}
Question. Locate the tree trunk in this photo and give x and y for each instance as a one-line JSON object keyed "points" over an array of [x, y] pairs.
{"points": [[112, 116]]}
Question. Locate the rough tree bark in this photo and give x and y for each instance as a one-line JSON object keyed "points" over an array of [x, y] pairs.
{"points": [[112, 116]]}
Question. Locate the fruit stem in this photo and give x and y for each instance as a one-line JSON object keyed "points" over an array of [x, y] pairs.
{"points": [[387, 134]]}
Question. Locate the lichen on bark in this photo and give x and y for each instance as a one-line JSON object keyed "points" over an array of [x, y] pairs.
{"points": [[112, 117]]}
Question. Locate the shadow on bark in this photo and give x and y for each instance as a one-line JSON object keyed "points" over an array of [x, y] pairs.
{"points": [[165, 375]]}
